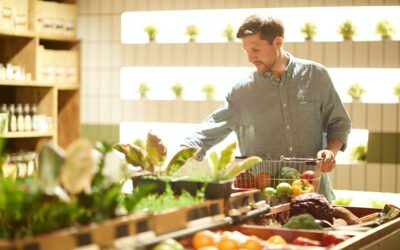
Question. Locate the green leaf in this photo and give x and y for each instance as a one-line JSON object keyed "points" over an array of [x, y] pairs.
{"points": [[135, 155], [242, 165], [227, 156], [214, 161], [180, 158], [156, 150]]}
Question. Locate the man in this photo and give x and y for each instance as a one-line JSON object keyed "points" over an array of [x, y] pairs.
{"points": [[288, 106]]}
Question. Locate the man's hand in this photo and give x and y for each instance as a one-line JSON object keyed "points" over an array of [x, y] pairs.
{"points": [[328, 160]]}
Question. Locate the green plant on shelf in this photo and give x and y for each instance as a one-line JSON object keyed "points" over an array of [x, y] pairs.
{"points": [[385, 29], [356, 91], [151, 155], [152, 31], [309, 30], [143, 89], [223, 166], [396, 90], [359, 152], [229, 32], [347, 30], [178, 89], [192, 31], [209, 90]]}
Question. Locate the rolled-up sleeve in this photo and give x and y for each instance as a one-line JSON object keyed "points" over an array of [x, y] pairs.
{"points": [[337, 123], [216, 127]]}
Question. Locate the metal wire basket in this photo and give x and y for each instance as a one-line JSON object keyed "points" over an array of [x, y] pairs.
{"points": [[268, 173]]}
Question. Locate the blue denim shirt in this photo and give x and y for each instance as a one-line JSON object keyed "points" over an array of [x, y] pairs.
{"points": [[292, 116]]}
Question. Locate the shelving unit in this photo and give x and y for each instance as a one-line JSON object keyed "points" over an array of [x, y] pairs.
{"points": [[57, 99]]}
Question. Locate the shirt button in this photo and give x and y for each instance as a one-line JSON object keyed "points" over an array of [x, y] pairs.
{"points": [[288, 127], [291, 149]]}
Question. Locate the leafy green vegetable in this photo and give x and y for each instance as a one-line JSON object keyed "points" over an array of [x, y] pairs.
{"points": [[156, 150], [179, 159], [135, 156], [289, 173], [167, 200], [302, 221]]}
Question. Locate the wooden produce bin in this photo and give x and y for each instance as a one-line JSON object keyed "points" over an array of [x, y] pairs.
{"points": [[100, 235]]}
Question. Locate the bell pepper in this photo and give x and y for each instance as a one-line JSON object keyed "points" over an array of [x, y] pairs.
{"points": [[331, 239], [276, 239], [303, 241], [301, 187]]}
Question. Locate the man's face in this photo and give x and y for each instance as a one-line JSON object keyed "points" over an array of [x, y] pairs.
{"points": [[259, 52]]}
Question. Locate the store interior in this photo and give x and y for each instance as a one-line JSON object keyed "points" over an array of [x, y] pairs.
{"points": [[110, 71]]}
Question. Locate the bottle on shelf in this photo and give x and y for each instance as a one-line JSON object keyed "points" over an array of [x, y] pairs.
{"points": [[20, 118], [35, 121], [4, 118], [27, 117], [13, 119]]}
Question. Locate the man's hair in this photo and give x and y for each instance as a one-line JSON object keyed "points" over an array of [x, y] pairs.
{"points": [[268, 27]]}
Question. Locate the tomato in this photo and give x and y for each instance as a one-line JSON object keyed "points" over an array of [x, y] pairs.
{"points": [[276, 239], [252, 243], [308, 175], [228, 243], [203, 238], [262, 180], [303, 241], [329, 239], [245, 180]]}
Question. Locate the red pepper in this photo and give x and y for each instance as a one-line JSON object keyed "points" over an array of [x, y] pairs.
{"points": [[332, 239], [303, 241]]}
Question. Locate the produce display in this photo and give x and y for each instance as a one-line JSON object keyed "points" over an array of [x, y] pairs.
{"points": [[312, 203]]}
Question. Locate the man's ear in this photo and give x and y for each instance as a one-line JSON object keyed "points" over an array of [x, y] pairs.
{"points": [[278, 42]]}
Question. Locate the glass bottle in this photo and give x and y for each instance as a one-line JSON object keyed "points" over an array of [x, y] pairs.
{"points": [[13, 118], [27, 117], [35, 122], [20, 118], [4, 118]]}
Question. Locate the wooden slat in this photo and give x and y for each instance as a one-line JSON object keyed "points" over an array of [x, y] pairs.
{"points": [[374, 117], [373, 177], [358, 174], [343, 177], [388, 178], [359, 115]]}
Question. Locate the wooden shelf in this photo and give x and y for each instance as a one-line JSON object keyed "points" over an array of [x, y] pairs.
{"points": [[12, 33], [29, 134], [57, 38], [26, 84], [337, 54], [67, 86]]}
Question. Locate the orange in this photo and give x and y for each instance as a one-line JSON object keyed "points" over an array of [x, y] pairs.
{"points": [[203, 238], [252, 243], [227, 243]]}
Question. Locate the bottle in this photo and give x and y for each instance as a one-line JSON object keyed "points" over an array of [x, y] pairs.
{"points": [[20, 118], [13, 119], [27, 118], [35, 121], [5, 117]]}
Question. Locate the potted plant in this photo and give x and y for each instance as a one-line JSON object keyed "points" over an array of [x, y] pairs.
{"points": [[219, 178], [347, 30], [152, 31], [359, 152], [356, 91], [150, 156], [209, 90], [396, 91], [143, 90], [385, 29], [177, 89], [192, 31], [309, 30], [229, 32]]}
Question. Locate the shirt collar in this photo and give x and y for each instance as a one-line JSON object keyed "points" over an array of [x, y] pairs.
{"points": [[288, 70]]}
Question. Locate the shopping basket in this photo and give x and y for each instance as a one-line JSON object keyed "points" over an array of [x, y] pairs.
{"points": [[268, 173]]}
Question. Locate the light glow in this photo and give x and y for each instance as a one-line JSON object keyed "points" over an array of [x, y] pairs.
{"points": [[171, 24]]}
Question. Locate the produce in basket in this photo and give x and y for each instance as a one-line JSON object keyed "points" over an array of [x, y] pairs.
{"points": [[315, 204], [301, 187], [309, 175], [245, 180], [263, 180], [302, 221], [284, 188]]}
